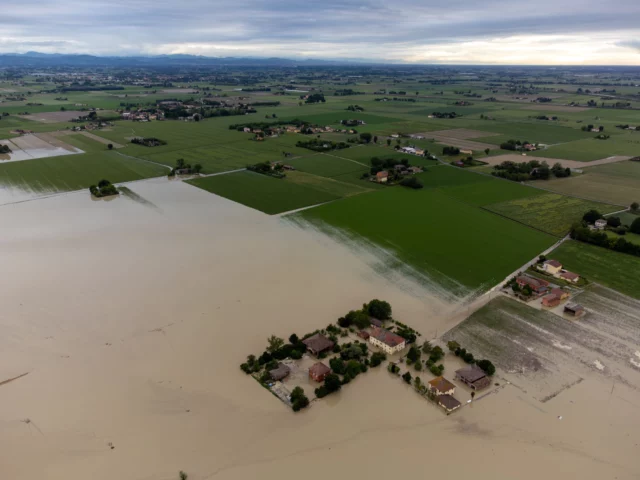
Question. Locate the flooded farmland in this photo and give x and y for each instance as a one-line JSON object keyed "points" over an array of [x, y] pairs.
{"points": [[130, 318]]}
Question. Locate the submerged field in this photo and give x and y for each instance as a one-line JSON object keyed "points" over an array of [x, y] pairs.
{"points": [[612, 269], [74, 172]]}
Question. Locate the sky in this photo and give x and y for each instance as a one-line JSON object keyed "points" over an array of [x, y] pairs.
{"points": [[545, 32]]}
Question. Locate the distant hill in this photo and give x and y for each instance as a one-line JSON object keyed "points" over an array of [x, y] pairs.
{"points": [[36, 59]]}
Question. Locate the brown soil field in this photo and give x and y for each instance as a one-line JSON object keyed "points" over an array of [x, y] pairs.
{"points": [[514, 157], [54, 117], [92, 136], [557, 108], [179, 90], [54, 140]]}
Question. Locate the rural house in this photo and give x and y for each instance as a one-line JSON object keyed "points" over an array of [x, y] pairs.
{"points": [[279, 373], [574, 309], [442, 386], [600, 223], [375, 322], [449, 403], [317, 344], [570, 276], [552, 266], [536, 284], [382, 177], [364, 334], [387, 341], [319, 371], [473, 376], [551, 300], [558, 292]]}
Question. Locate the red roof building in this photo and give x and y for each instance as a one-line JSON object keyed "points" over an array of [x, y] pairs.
{"points": [[319, 371]]}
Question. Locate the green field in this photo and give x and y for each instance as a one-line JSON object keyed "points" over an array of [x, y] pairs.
{"points": [[328, 165], [612, 269], [267, 194], [617, 183], [453, 242], [74, 172], [550, 213]]}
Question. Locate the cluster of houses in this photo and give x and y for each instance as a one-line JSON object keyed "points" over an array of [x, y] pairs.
{"points": [[413, 150], [143, 115], [471, 375], [403, 170], [554, 268], [91, 126]]}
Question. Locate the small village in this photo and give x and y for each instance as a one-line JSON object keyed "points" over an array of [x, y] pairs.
{"points": [[307, 369], [548, 286]]}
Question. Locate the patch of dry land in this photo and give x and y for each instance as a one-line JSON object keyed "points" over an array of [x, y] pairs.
{"points": [[38, 145], [55, 117], [131, 318], [518, 158]]}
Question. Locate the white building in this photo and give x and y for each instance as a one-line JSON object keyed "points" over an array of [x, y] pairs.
{"points": [[385, 340]]}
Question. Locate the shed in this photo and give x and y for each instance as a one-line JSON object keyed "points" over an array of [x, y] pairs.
{"points": [[317, 344], [551, 300], [318, 371], [375, 322], [442, 386], [473, 376], [448, 402], [574, 309], [279, 373]]}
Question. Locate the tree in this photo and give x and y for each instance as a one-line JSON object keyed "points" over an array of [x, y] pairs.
{"points": [[103, 183], [180, 163], [414, 354], [453, 346], [298, 399], [407, 378], [635, 206], [366, 137], [591, 216], [337, 365], [388, 142], [486, 151], [332, 382], [197, 168], [377, 358], [353, 368], [614, 222], [487, 366], [417, 382], [110, 146], [436, 354], [375, 139], [412, 182], [635, 226], [275, 343], [379, 309], [427, 347], [293, 339], [182, 475]]}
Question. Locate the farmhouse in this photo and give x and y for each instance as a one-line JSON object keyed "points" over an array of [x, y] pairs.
{"points": [[319, 371], [382, 177], [387, 341], [570, 276], [364, 334], [442, 386], [375, 322], [473, 376], [552, 266], [574, 309], [279, 373], [600, 223], [466, 152], [317, 344], [449, 403], [536, 284], [551, 300]]}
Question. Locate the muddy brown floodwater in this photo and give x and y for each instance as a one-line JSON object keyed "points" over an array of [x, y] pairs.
{"points": [[131, 318]]}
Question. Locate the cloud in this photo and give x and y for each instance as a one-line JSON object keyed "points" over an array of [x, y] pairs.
{"points": [[456, 30]]}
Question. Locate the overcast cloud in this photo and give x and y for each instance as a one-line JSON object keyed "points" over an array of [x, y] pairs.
{"points": [[426, 31]]}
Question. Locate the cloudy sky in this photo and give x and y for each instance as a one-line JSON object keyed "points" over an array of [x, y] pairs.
{"points": [[421, 31]]}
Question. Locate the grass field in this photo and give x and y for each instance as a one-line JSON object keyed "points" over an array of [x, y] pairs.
{"points": [[612, 269], [617, 183], [550, 213], [328, 165], [592, 149], [268, 194], [447, 239], [74, 172], [627, 218]]}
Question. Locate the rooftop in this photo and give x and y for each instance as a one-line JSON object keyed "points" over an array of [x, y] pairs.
{"points": [[442, 384], [553, 263], [471, 373], [449, 402], [387, 337], [318, 342], [319, 369]]}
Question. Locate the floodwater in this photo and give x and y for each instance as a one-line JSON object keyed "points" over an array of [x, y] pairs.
{"points": [[30, 147], [132, 316]]}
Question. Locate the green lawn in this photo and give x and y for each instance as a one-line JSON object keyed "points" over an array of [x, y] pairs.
{"points": [[549, 212], [267, 194], [456, 243], [74, 172], [612, 269]]}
